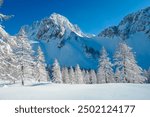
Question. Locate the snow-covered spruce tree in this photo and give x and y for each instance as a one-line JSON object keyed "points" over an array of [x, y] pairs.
{"points": [[83, 74], [65, 76], [72, 76], [87, 77], [105, 72], [7, 61], [126, 66], [93, 78], [147, 75], [41, 72], [78, 75], [56, 73], [24, 57]]}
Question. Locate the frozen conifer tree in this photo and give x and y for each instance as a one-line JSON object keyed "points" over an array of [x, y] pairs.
{"points": [[72, 76], [56, 73], [105, 71], [41, 72], [126, 66], [65, 76], [78, 75], [93, 78], [147, 75], [7, 62], [24, 54], [87, 78], [83, 74]]}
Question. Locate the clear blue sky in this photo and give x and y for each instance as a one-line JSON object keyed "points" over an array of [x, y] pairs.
{"points": [[91, 15]]}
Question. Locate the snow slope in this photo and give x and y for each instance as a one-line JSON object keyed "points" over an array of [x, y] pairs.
{"points": [[76, 92]]}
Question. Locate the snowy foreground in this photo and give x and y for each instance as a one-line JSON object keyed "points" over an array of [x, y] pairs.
{"points": [[76, 92]]}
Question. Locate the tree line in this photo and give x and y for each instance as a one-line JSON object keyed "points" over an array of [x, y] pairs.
{"points": [[124, 69]]}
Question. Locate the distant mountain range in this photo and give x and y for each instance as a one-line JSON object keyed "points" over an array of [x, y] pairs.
{"points": [[61, 39]]}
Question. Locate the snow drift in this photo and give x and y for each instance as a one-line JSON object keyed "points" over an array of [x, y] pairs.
{"points": [[76, 92]]}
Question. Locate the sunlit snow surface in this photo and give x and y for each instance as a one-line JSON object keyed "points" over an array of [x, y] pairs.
{"points": [[48, 91]]}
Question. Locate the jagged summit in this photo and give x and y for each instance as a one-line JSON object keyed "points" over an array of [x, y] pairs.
{"points": [[55, 26], [135, 22], [66, 24]]}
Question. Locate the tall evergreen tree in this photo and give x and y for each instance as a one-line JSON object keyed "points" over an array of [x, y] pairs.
{"points": [[24, 54], [126, 66], [105, 71], [56, 73]]}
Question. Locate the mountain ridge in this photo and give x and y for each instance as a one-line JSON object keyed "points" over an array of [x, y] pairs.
{"points": [[134, 22]]}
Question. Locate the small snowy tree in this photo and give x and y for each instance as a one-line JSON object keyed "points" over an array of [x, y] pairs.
{"points": [[126, 66], [56, 73], [72, 76], [83, 74], [147, 75], [105, 71], [87, 78], [65, 76], [41, 72], [78, 75], [93, 78]]}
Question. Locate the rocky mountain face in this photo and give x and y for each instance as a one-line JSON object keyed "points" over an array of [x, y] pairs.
{"points": [[131, 24]]}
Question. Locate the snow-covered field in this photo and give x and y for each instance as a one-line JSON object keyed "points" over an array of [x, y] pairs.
{"points": [[76, 92]]}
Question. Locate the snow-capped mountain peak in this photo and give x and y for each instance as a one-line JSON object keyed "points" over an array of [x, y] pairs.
{"points": [[65, 24], [135, 22], [54, 27]]}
